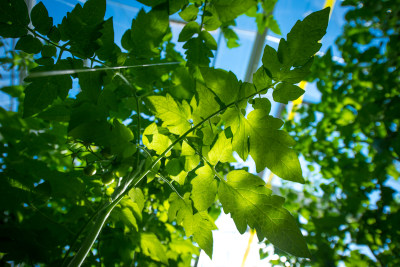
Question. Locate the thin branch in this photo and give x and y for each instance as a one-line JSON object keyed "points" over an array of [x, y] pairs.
{"points": [[138, 129], [74, 71], [76, 237], [169, 183]]}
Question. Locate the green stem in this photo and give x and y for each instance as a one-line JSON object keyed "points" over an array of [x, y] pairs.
{"points": [[138, 129], [80, 232], [93, 234], [170, 185]]}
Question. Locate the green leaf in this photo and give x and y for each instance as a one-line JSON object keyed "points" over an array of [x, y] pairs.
{"points": [[258, 135], [40, 19], [240, 129], [211, 21], [108, 49], [189, 13], [272, 24], [93, 11], [202, 226], [199, 225], [29, 44], [270, 147], [285, 92], [250, 203], [302, 40], [222, 150], [224, 84], [206, 105], [120, 140], [229, 10], [261, 79], [43, 91], [56, 113], [148, 30], [271, 62], [90, 83], [188, 31], [137, 196], [181, 211], [232, 39], [175, 116], [261, 103], [174, 167], [14, 18], [152, 139], [208, 40], [204, 188], [54, 34], [49, 51], [197, 52], [82, 27], [152, 247]]}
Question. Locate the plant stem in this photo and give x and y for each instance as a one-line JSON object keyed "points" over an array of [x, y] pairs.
{"points": [[93, 234]]}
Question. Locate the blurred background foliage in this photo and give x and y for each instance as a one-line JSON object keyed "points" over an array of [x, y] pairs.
{"points": [[349, 208]]}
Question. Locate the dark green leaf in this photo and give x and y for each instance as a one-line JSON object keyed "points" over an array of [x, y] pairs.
{"points": [[40, 19], [188, 31], [29, 44], [285, 92]]}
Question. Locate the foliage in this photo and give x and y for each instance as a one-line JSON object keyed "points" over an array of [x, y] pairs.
{"points": [[352, 136], [140, 154]]}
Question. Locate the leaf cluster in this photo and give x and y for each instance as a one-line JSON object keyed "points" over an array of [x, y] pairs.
{"points": [[143, 153]]}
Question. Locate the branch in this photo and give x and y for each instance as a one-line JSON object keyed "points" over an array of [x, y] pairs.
{"points": [[169, 183]]}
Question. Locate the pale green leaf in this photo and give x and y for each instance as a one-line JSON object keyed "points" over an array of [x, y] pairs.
{"points": [[152, 139], [250, 203], [175, 116], [152, 247], [261, 79], [204, 188], [202, 231], [222, 150], [206, 103], [137, 196], [181, 211]]}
